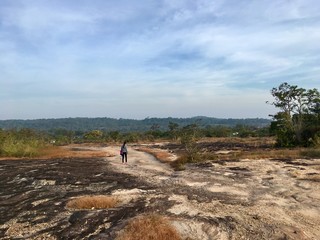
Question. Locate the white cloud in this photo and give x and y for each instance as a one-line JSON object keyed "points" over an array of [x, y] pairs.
{"points": [[159, 52]]}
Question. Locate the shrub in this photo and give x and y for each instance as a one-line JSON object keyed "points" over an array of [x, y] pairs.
{"points": [[21, 143], [93, 202], [179, 164], [149, 227], [188, 137], [13, 145], [162, 156]]}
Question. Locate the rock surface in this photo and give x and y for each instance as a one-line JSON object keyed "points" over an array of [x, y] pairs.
{"points": [[243, 199]]}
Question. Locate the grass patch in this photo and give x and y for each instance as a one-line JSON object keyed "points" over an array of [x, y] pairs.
{"points": [[310, 153], [270, 153], [179, 164], [255, 154], [93, 202], [21, 148], [149, 227], [295, 153], [73, 151], [21, 143], [161, 155], [253, 142]]}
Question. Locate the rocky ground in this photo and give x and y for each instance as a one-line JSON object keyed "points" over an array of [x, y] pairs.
{"points": [[239, 199]]}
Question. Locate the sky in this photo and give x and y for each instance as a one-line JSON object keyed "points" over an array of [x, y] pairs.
{"points": [[154, 58]]}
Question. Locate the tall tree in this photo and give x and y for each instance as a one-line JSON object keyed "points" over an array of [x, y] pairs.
{"points": [[173, 130], [299, 109], [188, 137]]}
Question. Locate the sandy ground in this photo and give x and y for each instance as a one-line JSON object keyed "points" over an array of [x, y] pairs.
{"points": [[240, 199]]}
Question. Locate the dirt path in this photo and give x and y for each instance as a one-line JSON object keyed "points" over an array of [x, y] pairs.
{"points": [[139, 163], [247, 199]]}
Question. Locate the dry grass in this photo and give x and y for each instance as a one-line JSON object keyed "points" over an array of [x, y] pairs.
{"points": [[257, 148], [294, 153], [256, 154], [179, 164], [70, 151], [93, 202], [161, 155], [271, 153], [73, 151], [149, 227], [252, 141], [311, 153]]}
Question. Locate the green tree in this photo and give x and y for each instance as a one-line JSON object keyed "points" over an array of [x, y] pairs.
{"points": [[188, 137], [217, 131], [173, 130], [115, 136], [297, 122], [63, 136], [94, 135]]}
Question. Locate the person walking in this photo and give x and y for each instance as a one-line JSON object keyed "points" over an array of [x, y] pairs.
{"points": [[124, 152]]}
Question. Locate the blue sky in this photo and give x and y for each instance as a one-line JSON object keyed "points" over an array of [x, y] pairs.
{"points": [[153, 58]]}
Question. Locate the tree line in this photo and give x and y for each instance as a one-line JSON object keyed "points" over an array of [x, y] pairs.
{"points": [[297, 123], [125, 125], [173, 132]]}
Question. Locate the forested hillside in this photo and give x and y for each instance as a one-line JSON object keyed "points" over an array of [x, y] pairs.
{"points": [[126, 125]]}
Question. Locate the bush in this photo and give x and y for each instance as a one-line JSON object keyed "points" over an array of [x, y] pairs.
{"points": [[20, 148], [22, 143], [149, 227], [179, 164]]}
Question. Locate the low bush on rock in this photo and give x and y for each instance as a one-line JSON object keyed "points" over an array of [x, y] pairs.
{"points": [[149, 227]]}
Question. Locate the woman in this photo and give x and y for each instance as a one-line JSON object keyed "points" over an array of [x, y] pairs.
{"points": [[124, 152]]}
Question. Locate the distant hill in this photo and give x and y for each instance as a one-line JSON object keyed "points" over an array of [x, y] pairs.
{"points": [[126, 125]]}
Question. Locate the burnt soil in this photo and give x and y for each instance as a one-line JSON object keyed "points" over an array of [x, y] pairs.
{"points": [[34, 192]]}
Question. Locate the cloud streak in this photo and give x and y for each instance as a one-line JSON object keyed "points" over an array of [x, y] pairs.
{"points": [[158, 58]]}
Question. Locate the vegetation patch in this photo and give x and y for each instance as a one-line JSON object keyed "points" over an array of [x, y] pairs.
{"points": [[310, 153], [285, 153], [161, 155], [179, 164], [93, 202], [22, 143], [149, 227], [72, 151], [298, 121], [270, 153]]}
